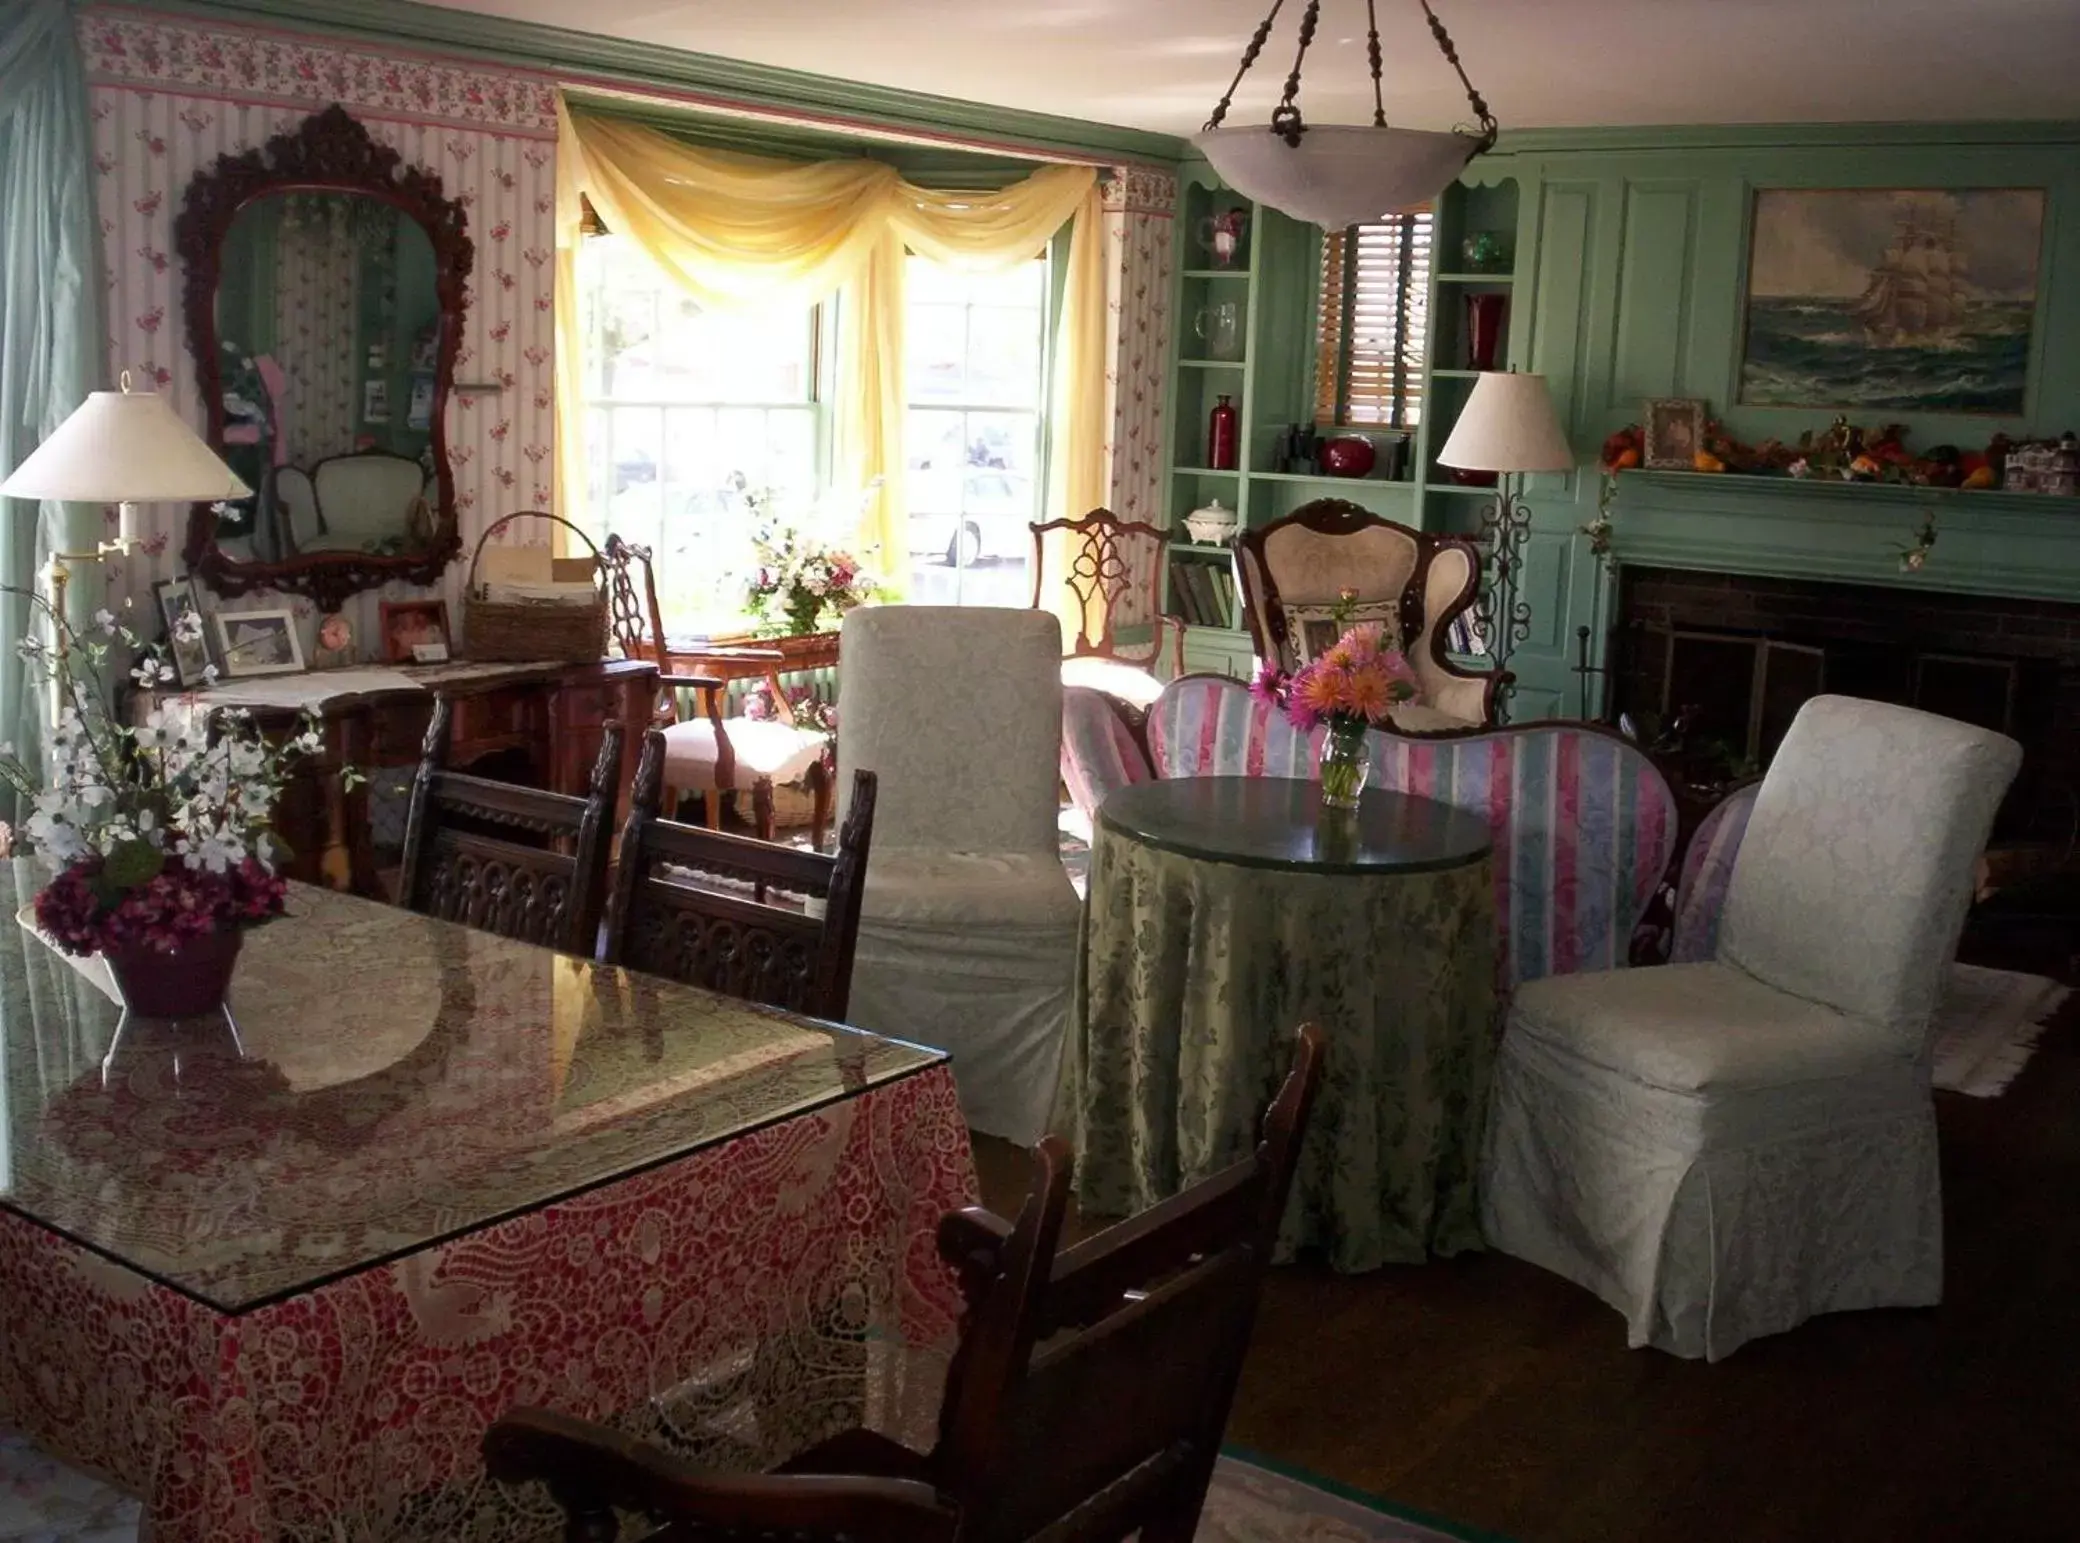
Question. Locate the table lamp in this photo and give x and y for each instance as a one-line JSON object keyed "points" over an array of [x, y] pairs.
{"points": [[126, 448], [1509, 427]]}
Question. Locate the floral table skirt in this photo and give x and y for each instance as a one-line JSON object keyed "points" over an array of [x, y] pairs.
{"points": [[1191, 980], [739, 1303]]}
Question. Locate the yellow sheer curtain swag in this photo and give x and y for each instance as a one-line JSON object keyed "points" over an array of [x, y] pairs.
{"points": [[740, 230]]}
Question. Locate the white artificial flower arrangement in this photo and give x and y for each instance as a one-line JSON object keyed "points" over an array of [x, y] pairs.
{"points": [[161, 831]]}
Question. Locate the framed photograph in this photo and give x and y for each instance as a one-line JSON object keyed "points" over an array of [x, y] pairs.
{"points": [[409, 625], [1897, 299], [186, 639], [1674, 433], [258, 642]]}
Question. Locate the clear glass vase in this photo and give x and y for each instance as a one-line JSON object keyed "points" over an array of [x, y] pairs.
{"points": [[1346, 763]]}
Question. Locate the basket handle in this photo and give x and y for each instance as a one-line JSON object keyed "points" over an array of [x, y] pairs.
{"points": [[469, 585]]}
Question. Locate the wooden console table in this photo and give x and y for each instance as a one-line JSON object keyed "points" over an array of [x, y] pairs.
{"points": [[376, 716]]}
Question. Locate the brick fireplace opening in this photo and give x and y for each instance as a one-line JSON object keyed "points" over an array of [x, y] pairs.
{"points": [[1716, 666]]}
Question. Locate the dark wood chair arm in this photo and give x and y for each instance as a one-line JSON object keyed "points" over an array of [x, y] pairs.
{"points": [[591, 1470], [971, 1240], [693, 682]]}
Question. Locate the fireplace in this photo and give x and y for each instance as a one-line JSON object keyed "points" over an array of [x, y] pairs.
{"points": [[1716, 665]]}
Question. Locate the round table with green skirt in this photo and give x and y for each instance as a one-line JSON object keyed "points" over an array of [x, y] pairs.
{"points": [[1224, 912]]}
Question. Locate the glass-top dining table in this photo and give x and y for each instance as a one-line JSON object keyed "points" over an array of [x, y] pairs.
{"points": [[279, 1282]]}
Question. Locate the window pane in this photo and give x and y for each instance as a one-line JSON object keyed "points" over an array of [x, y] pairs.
{"points": [[691, 416], [976, 342]]}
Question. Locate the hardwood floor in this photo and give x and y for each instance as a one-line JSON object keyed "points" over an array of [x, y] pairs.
{"points": [[1485, 1391]]}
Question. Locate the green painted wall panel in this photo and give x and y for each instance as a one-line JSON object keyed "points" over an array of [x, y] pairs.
{"points": [[1655, 258]]}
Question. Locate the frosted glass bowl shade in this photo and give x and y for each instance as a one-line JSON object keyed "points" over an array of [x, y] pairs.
{"points": [[1340, 174]]}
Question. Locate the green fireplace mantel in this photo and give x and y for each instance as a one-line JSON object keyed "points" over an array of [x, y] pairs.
{"points": [[2014, 544]]}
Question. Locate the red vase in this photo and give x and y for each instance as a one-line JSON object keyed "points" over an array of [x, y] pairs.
{"points": [[1348, 456], [1484, 317], [1223, 429], [186, 982]]}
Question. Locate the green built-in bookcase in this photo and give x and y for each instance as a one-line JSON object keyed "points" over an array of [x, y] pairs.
{"points": [[1276, 280]]}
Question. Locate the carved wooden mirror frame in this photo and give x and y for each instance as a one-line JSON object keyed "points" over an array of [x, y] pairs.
{"points": [[330, 151]]}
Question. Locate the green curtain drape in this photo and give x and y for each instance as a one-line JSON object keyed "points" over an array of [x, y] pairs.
{"points": [[50, 310]]}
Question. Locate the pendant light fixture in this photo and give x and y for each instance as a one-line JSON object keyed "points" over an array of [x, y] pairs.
{"points": [[1338, 175]]}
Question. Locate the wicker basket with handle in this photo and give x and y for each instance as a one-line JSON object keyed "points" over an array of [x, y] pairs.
{"points": [[516, 632]]}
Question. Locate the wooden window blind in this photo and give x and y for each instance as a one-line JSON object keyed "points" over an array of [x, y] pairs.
{"points": [[1375, 322]]}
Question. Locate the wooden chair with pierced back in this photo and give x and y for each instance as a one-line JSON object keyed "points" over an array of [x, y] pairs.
{"points": [[693, 904], [1112, 572], [1086, 1401], [714, 754], [517, 861]]}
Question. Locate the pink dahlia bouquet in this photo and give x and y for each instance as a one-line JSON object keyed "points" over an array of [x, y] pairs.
{"points": [[1350, 687], [1353, 684], [799, 580], [161, 830]]}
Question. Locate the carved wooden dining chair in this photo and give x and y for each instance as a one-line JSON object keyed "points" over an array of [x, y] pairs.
{"points": [[1086, 1401], [693, 904], [1107, 573], [713, 753], [513, 860]]}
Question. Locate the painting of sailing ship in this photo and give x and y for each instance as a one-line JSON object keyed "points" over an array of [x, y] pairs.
{"points": [[1908, 300]]}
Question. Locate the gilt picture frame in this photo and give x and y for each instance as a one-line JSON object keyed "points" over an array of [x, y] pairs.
{"points": [[258, 642]]}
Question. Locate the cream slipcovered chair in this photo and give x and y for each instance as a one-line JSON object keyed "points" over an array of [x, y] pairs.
{"points": [[1294, 570], [967, 934], [1722, 1149]]}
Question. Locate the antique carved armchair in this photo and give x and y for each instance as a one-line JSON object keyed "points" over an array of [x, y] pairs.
{"points": [[1108, 575], [1086, 1401], [692, 904], [712, 754], [513, 860], [1293, 572]]}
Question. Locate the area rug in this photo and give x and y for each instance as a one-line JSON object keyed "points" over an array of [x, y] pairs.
{"points": [[1987, 1026], [1256, 1501]]}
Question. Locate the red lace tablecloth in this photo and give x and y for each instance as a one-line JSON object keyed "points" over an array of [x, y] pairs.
{"points": [[739, 1303]]}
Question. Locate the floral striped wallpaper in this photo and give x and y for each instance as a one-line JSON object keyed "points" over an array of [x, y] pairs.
{"points": [[170, 95], [1139, 210]]}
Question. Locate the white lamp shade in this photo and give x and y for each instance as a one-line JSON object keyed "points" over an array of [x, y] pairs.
{"points": [[1508, 425], [122, 447], [1340, 174]]}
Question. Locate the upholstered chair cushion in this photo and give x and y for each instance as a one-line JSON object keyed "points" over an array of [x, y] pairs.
{"points": [[1313, 568], [763, 749], [1856, 867], [367, 497], [1707, 870], [1132, 684], [1099, 751], [959, 711], [1210, 726], [1458, 701]]}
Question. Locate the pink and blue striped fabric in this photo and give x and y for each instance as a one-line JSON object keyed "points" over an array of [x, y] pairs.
{"points": [[1707, 871], [1584, 824], [1210, 726], [1099, 751]]}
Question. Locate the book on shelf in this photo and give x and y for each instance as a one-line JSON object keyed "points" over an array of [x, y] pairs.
{"points": [[1181, 599], [1205, 600]]}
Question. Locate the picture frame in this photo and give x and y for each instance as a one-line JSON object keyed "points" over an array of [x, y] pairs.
{"points": [[408, 624], [191, 660], [258, 642], [1674, 433], [1893, 299]]}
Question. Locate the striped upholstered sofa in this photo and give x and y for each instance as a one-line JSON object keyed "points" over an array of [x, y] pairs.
{"points": [[1584, 824]]}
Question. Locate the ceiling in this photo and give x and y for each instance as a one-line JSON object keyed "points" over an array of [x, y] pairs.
{"points": [[1160, 64]]}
